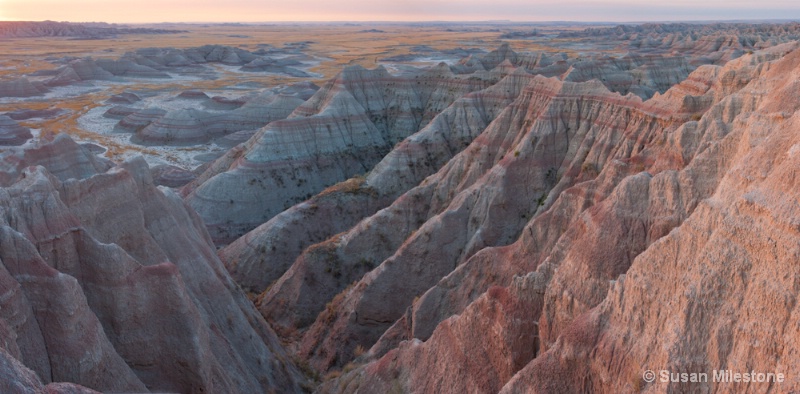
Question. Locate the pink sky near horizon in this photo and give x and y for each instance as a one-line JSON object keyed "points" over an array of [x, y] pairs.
{"points": [[150, 11]]}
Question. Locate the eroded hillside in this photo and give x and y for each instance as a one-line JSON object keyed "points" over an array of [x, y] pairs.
{"points": [[510, 221]]}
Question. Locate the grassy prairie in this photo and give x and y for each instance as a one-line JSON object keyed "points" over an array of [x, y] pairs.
{"points": [[340, 44], [334, 45]]}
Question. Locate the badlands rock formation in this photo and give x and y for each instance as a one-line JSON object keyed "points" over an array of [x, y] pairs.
{"points": [[216, 120], [403, 168], [11, 133], [120, 112], [652, 246], [693, 38], [89, 69], [77, 30], [146, 63], [512, 222], [135, 304], [134, 120], [193, 95], [25, 114], [124, 98], [20, 87], [342, 131], [190, 126], [63, 158], [171, 176], [491, 249], [160, 62]]}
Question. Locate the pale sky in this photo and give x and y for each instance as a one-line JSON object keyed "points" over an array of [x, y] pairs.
{"points": [[146, 11]]}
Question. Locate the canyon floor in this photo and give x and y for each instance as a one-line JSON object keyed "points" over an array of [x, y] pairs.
{"points": [[400, 208]]}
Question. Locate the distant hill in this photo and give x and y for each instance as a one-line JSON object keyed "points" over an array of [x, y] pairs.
{"points": [[73, 30]]}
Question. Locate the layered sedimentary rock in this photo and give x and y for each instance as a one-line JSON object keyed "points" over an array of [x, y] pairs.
{"points": [[192, 58], [128, 68], [11, 133], [719, 41], [16, 378], [193, 95], [482, 190], [119, 112], [124, 98], [62, 158], [88, 69], [701, 282], [511, 223], [20, 87], [301, 90], [79, 70], [281, 66], [343, 130], [171, 176], [136, 120], [489, 191], [655, 248], [25, 114], [181, 127], [191, 126], [224, 103], [640, 74], [9, 29], [235, 138], [134, 304], [324, 270], [152, 63], [255, 265], [222, 54]]}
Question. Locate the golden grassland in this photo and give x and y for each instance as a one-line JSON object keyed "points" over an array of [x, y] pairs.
{"points": [[341, 44], [335, 45]]}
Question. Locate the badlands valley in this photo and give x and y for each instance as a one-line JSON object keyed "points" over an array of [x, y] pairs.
{"points": [[399, 208]]}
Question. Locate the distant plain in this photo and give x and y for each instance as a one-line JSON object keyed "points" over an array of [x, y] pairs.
{"points": [[334, 46]]}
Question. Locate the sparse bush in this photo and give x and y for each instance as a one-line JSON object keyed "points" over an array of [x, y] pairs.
{"points": [[357, 352], [366, 263], [540, 202], [306, 369], [333, 375], [589, 169]]}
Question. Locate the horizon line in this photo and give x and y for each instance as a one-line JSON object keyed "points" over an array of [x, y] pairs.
{"points": [[486, 21]]}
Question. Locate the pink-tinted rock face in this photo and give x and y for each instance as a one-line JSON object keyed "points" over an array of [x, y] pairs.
{"points": [[132, 304], [253, 261], [525, 223], [665, 244], [487, 192], [683, 303]]}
